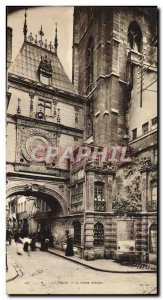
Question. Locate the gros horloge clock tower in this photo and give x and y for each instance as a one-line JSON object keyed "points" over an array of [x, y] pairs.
{"points": [[44, 111]]}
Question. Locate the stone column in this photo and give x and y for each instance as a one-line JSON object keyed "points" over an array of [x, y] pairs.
{"points": [[89, 201], [108, 192], [89, 232], [82, 233], [138, 234], [144, 239], [110, 237]]}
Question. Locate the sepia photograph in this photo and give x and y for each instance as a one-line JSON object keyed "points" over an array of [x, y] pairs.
{"points": [[81, 150]]}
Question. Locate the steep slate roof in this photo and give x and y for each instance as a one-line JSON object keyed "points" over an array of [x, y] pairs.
{"points": [[27, 62]]}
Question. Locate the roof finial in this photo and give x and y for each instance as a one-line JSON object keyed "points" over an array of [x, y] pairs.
{"points": [[25, 25], [41, 33], [56, 39]]}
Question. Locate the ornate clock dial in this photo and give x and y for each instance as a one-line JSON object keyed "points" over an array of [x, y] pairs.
{"points": [[37, 145]]}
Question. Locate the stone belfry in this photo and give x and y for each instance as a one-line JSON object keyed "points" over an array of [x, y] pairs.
{"points": [[101, 66], [97, 74]]}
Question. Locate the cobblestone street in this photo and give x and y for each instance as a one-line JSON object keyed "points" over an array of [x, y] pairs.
{"points": [[44, 273]]}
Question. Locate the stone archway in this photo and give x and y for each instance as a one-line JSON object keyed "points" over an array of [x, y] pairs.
{"points": [[36, 189]]}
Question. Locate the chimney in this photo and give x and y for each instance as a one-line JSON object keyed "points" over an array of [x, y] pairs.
{"points": [[9, 46]]}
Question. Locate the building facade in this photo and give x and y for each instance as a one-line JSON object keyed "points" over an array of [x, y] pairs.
{"points": [[111, 206]]}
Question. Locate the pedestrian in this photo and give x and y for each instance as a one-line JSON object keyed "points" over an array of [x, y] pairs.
{"points": [[51, 240], [33, 243], [16, 235], [46, 244], [27, 242], [69, 247], [42, 243], [9, 236], [19, 245]]}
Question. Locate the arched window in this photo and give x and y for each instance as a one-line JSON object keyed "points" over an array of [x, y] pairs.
{"points": [[98, 234], [135, 37], [153, 239], [77, 232], [89, 59]]}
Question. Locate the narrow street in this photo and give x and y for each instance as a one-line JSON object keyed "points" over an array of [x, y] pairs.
{"points": [[44, 273]]}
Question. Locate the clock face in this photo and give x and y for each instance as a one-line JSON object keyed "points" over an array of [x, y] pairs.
{"points": [[36, 146]]}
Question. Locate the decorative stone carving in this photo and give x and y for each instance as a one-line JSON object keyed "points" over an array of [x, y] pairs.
{"points": [[153, 176], [103, 167], [99, 219], [24, 122], [99, 177], [127, 198], [61, 188], [144, 163], [129, 171], [34, 188]]}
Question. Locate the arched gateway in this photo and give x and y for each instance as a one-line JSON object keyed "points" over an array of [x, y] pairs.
{"points": [[52, 197], [44, 210]]}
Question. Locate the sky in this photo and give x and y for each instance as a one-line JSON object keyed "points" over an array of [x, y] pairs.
{"points": [[47, 17]]}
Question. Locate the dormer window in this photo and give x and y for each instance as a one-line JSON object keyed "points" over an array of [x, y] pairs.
{"points": [[44, 79], [45, 70]]}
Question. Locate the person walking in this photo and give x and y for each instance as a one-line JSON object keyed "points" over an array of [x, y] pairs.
{"points": [[16, 235], [51, 240], [69, 248], [27, 242], [9, 236], [33, 243], [19, 245]]}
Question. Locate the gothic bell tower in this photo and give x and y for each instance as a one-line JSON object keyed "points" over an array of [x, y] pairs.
{"points": [[99, 74]]}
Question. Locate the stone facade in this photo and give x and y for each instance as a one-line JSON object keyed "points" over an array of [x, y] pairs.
{"points": [[120, 102], [109, 208]]}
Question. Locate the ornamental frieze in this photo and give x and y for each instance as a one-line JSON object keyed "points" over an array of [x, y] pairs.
{"points": [[49, 126], [41, 170]]}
